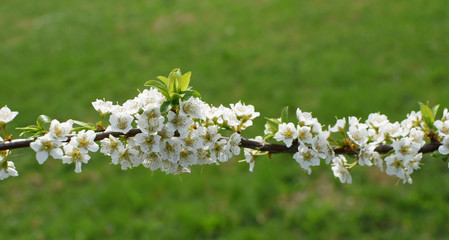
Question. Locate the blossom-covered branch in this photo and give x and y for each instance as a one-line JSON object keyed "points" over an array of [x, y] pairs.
{"points": [[168, 127]]}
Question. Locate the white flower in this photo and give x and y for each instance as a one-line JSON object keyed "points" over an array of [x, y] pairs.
{"points": [[305, 118], [228, 117], [191, 108], [60, 130], [8, 170], [193, 140], [339, 126], [120, 122], [152, 161], [150, 121], [306, 157], [358, 134], [395, 166], [151, 96], [233, 143], [415, 117], [443, 127], [417, 136], [45, 146], [125, 158], [245, 113], [209, 134], [6, 115], [367, 154], [340, 171], [286, 133], [377, 120], [405, 149], [132, 106], [148, 143], [203, 157], [304, 134], [392, 130], [111, 146], [170, 149], [85, 141], [218, 151], [103, 107], [212, 113], [187, 158], [250, 154], [75, 155], [322, 146], [444, 148], [178, 122]]}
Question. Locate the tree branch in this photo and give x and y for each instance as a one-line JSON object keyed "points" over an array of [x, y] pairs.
{"points": [[244, 143]]}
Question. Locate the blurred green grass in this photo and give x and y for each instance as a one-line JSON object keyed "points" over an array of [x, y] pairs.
{"points": [[331, 58]]}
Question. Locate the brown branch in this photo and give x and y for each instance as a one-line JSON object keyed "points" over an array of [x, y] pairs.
{"points": [[244, 143]]}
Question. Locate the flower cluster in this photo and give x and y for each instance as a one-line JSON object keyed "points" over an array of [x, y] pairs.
{"points": [[7, 168], [360, 140], [188, 134]]}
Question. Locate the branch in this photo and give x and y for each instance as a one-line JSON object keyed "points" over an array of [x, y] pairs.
{"points": [[244, 143]]}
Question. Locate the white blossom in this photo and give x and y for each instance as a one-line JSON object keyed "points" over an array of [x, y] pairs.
{"points": [[405, 149], [111, 146], [45, 146], [444, 148], [151, 96], [148, 143], [84, 140], [103, 107], [305, 118], [339, 126], [209, 135], [376, 120], [178, 122], [442, 126], [75, 155], [340, 170], [8, 170], [170, 149], [286, 133], [60, 130], [6, 115], [306, 157], [191, 108], [120, 122], [304, 134], [233, 143]]}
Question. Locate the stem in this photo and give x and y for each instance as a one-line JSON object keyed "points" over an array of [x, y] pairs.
{"points": [[272, 148]]}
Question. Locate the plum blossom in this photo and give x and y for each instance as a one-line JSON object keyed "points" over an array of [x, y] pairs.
{"points": [[286, 133], [60, 130], [75, 155], [46, 146], [8, 169], [340, 170], [6, 115]]}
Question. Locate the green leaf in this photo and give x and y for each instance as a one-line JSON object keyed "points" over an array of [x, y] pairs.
{"points": [[165, 107], [272, 124], [32, 131], [284, 115], [174, 79], [163, 79], [159, 85], [83, 126], [43, 122], [185, 81], [175, 98], [196, 94], [268, 136], [435, 111], [427, 115]]}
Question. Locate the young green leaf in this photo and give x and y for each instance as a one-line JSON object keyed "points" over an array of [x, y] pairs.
{"points": [[165, 107], [427, 115], [159, 85], [435, 110], [185, 81], [83, 126], [284, 115], [43, 122], [163, 79], [272, 124]]}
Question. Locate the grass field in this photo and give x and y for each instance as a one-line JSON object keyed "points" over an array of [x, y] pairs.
{"points": [[333, 58]]}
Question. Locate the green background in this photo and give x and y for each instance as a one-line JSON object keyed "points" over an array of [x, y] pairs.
{"points": [[332, 58]]}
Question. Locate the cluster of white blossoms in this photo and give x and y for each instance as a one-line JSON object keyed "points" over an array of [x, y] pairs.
{"points": [[360, 140], [188, 134], [7, 168]]}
